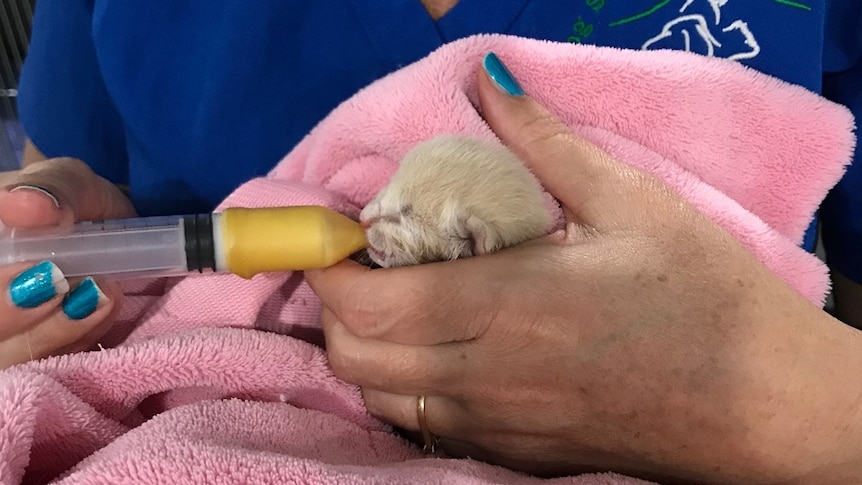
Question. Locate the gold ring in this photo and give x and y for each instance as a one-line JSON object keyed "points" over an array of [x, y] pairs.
{"points": [[429, 439]]}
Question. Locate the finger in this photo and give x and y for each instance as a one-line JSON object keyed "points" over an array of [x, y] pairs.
{"points": [[77, 189], [578, 173], [453, 430], [80, 324], [31, 293], [29, 206], [422, 305], [391, 367], [444, 417], [85, 314]]}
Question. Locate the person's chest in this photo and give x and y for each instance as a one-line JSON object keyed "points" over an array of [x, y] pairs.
{"points": [[218, 92], [779, 37], [197, 44]]}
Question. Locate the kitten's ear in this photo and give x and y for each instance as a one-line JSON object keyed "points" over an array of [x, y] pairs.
{"points": [[483, 238]]}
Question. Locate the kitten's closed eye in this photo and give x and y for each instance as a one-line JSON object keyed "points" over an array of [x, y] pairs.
{"points": [[375, 212]]}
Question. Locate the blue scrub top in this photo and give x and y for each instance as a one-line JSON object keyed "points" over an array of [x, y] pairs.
{"points": [[184, 103]]}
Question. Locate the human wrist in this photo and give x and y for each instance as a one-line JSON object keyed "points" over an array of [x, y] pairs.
{"points": [[840, 411], [806, 424]]}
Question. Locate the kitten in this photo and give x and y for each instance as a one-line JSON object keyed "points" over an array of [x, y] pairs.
{"points": [[454, 197]]}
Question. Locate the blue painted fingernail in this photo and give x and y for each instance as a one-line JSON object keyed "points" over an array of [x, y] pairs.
{"points": [[37, 285], [501, 75], [83, 300]]}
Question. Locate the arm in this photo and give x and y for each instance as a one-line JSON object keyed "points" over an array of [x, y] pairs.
{"points": [[643, 339]]}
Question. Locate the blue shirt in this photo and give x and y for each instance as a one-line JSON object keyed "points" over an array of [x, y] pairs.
{"points": [[184, 103]]}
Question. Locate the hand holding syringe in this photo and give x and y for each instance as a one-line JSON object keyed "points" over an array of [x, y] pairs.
{"points": [[241, 241]]}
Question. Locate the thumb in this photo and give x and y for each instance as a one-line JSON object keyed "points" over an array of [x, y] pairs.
{"points": [[58, 191], [29, 206], [583, 177]]}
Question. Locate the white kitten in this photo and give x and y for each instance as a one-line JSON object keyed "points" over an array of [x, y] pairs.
{"points": [[452, 197]]}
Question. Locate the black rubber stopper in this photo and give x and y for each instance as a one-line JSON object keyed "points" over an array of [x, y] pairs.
{"points": [[200, 251]]}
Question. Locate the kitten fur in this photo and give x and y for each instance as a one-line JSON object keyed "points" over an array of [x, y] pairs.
{"points": [[452, 197]]}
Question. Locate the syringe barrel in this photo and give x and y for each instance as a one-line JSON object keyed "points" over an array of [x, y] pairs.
{"points": [[242, 241], [122, 248]]}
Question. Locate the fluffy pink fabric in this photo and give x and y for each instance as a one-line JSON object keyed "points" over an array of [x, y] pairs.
{"points": [[194, 392]]}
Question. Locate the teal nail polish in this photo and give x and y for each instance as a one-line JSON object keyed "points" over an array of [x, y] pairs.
{"points": [[83, 300], [37, 285], [501, 75]]}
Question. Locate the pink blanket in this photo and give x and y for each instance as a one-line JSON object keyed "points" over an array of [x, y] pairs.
{"points": [[221, 380]]}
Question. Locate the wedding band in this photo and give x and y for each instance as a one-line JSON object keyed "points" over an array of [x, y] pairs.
{"points": [[430, 440]]}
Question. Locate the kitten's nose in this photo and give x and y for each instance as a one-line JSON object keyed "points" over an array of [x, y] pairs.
{"points": [[364, 224]]}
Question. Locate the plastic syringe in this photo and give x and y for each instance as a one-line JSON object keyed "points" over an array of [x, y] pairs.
{"points": [[237, 240]]}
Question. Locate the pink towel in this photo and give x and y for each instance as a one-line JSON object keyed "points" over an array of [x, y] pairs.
{"points": [[221, 380]]}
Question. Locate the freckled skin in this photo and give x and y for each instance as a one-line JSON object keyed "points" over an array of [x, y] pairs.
{"points": [[453, 197]]}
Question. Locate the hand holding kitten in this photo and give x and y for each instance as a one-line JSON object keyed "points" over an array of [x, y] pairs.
{"points": [[642, 339]]}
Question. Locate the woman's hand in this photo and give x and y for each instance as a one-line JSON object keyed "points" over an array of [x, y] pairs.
{"points": [[41, 312], [642, 339]]}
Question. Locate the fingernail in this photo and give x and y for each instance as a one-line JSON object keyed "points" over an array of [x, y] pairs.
{"points": [[37, 285], [501, 76], [42, 190], [83, 300]]}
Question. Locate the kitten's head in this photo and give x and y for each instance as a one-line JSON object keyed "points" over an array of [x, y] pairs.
{"points": [[401, 232]]}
